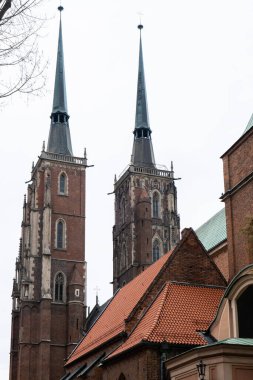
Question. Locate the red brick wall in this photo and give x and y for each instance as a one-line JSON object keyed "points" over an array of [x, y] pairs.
{"points": [[221, 260], [238, 164], [142, 365], [48, 330]]}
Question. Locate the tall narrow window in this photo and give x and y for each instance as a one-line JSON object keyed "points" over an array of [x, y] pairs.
{"points": [[59, 288], [156, 250], [123, 256], [62, 184], [123, 207], [60, 235], [155, 205]]}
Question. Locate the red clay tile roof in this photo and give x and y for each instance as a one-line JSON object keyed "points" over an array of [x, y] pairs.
{"points": [[112, 321], [175, 316]]}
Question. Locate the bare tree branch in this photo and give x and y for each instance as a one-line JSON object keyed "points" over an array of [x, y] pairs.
{"points": [[21, 63]]}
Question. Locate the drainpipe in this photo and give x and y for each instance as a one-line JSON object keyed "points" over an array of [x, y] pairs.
{"points": [[162, 360], [163, 349]]}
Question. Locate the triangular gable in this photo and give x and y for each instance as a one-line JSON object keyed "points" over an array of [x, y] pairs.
{"points": [[188, 262], [176, 317], [112, 321]]}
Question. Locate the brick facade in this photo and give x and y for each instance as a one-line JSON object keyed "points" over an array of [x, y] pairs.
{"points": [[47, 318], [238, 184], [138, 225]]}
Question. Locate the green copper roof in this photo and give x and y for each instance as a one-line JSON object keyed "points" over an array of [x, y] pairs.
{"points": [[141, 117], [59, 139], [213, 232], [60, 95], [241, 341], [249, 125]]}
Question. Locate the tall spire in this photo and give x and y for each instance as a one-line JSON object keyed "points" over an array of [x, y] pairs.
{"points": [[59, 140], [143, 154]]}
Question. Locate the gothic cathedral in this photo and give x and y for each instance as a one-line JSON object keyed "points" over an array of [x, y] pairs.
{"points": [[49, 291], [147, 224]]}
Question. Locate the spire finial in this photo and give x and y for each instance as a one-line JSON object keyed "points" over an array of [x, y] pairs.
{"points": [[60, 8], [140, 26]]}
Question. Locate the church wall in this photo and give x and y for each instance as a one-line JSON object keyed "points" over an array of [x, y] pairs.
{"points": [[192, 264], [59, 324], [240, 228], [137, 227], [238, 167], [237, 161], [58, 356], [143, 364], [220, 257], [223, 362]]}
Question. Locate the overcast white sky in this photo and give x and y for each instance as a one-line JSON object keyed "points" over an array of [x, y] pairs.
{"points": [[198, 58]]}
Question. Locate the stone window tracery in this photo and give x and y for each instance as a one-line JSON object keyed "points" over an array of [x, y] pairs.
{"points": [[155, 205], [156, 250], [59, 287]]}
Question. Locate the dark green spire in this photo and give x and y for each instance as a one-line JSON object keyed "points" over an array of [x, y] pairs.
{"points": [[59, 140], [143, 154]]}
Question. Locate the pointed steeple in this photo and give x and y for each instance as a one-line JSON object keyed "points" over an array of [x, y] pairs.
{"points": [[59, 140], [143, 154]]}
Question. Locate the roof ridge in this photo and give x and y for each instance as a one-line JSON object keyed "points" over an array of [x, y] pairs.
{"points": [[163, 294], [195, 284], [169, 254]]}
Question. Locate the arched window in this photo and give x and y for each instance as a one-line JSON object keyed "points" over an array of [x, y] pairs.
{"points": [[60, 234], [245, 316], [155, 205], [156, 250], [62, 183], [122, 377], [59, 288], [123, 256], [123, 210]]}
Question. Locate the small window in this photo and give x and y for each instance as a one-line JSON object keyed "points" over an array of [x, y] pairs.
{"points": [[77, 292], [60, 234], [156, 250], [62, 183], [59, 288]]}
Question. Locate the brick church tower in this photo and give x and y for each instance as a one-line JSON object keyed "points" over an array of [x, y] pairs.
{"points": [[49, 291], [147, 224]]}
